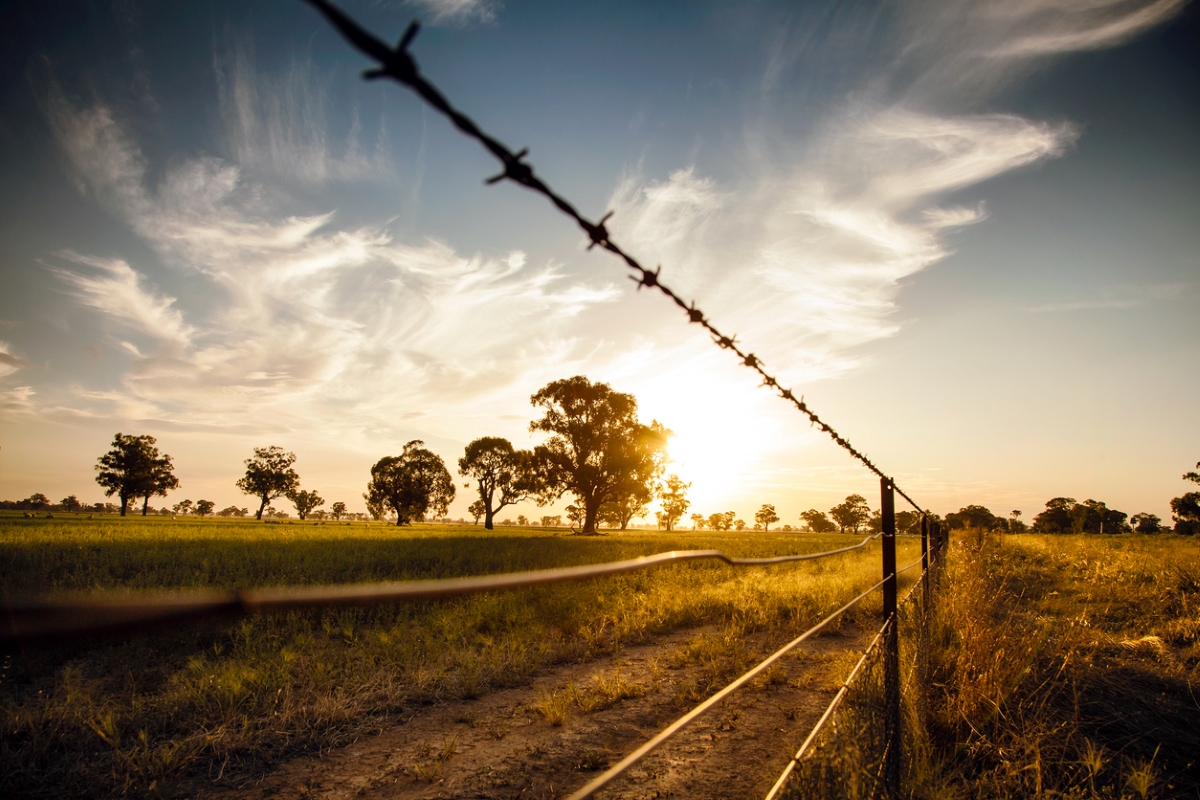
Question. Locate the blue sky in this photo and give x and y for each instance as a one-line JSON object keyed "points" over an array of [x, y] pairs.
{"points": [[964, 231]]}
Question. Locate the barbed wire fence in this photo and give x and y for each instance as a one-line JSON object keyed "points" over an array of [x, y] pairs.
{"points": [[58, 618]]}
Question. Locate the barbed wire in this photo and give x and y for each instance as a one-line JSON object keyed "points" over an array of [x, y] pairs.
{"points": [[52, 618], [396, 63]]}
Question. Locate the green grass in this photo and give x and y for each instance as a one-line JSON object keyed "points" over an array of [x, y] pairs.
{"points": [[139, 715]]}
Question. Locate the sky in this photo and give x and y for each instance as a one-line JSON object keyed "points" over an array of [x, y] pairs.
{"points": [[964, 231]]}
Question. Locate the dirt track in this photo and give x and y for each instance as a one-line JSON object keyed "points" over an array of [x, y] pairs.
{"points": [[502, 746]]}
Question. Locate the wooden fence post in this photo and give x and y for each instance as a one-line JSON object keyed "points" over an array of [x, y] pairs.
{"points": [[891, 649]]}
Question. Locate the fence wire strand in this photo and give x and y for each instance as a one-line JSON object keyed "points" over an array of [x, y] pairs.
{"points": [[842, 691], [675, 727], [396, 63], [56, 618]]}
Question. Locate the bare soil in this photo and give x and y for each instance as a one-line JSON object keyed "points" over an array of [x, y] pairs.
{"points": [[504, 744]]}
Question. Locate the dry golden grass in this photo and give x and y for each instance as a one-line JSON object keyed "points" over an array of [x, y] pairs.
{"points": [[1064, 667]]}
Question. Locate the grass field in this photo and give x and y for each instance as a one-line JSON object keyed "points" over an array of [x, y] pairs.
{"points": [[138, 715], [1057, 666]]}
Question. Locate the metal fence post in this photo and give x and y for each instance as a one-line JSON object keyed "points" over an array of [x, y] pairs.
{"points": [[925, 599], [891, 648]]}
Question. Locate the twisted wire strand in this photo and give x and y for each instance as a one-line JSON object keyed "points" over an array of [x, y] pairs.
{"points": [[843, 690], [396, 63], [615, 771], [51, 618]]}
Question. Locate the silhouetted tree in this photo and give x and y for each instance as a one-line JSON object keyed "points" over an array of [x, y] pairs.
{"points": [[765, 516], [204, 507], [722, 521], [851, 513], [1057, 516], [1093, 516], [673, 497], [134, 468], [269, 476], [305, 501], [907, 522], [161, 478], [338, 510], [183, 507], [38, 501], [476, 510], [70, 503], [497, 468], [411, 484], [976, 517], [816, 522], [1146, 523], [598, 450], [1185, 510]]}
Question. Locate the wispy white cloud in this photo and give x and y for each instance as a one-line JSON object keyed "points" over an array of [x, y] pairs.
{"points": [[308, 316], [280, 125], [10, 362], [1069, 25], [458, 11], [120, 293], [17, 401], [1116, 298], [809, 256], [960, 50]]}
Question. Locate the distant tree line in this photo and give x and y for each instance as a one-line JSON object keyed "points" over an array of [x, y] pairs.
{"points": [[598, 451]]}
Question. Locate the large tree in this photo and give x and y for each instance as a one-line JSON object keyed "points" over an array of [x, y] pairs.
{"points": [[851, 514], [721, 521], [1185, 510], [765, 516], [1093, 516], [305, 501], [133, 468], [632, 497], [269, 475], [976, 517], [1146, 523], [598, 450], [816, 522], [503, 476], [411, 484], [160, 480], [1057, 516]]}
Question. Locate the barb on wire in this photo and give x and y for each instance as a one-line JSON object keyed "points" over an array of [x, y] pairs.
{"points": [[615, 771], [398, 64], [52, 618]]}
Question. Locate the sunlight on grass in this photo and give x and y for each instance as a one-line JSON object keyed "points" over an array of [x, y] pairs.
{"points": [[233, 697]]}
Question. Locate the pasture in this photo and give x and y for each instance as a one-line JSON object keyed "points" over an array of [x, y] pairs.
{"points": [[143, 715]]}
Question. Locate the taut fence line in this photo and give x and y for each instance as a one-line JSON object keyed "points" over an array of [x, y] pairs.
{"points": [[64, 618]]}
